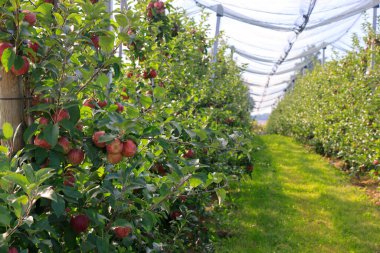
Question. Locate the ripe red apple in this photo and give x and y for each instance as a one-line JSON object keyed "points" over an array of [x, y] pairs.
{"points": [[249, 168], [145, 75], [121, 232], [60, 115], [175, 214], [75, 156], [120, 107], [3, 46], [95, 139], [159, 5], [376, 162], [159, 169], [130, 74], [189, 154], [102, 104], [30, 17], [65, 144], [183, 198], [41, 143], [115, 147], [94, 1], [89, 102], [69, 179], [114, 158], [23, 70], [49, 1], [34, 46], [95, 41], [79, 223], [43, 121], [129, 148], [153, 73], [12, 250]]}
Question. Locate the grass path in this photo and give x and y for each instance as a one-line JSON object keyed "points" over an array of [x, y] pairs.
{"points": [[297, 202]]}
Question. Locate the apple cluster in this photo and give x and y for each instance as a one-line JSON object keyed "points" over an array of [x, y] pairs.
{"points": [[155, 8], [30, 19], [116, 149]]}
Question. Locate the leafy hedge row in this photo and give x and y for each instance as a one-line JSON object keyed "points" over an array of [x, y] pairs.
{"points": [[121, 155], [336, 109]]}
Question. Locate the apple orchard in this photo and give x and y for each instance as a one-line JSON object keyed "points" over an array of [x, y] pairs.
{"points": [[108, 153]]}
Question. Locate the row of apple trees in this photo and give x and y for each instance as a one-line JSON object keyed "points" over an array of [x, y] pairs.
{"points": [[122, 154], [336, 109]]}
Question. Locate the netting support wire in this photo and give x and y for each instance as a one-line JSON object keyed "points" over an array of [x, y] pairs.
{"points": [[219, 15], [323, 56], [123, 7], [374, 25], [109, 10]]}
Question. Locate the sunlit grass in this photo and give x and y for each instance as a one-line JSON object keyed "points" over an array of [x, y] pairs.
{"points": [[297, 202]]}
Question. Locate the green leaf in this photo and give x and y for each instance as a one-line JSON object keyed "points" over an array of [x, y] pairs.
{"points": [[44, 9], [7, 130], [43, 174], [148, 221], [29, 132], [107, 43], [8, 59], [195, 182], [5, 216], [221, 193], [58, 206], [18, 205], [58, 18], [51, 134], [202, 134], [146, 101], [19, 62], [159, 92], [18, 179], [121, 20], [102, 80], [47, 193], [29, 173]]}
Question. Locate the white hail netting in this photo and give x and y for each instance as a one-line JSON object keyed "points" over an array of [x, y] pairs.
{"points": [[275, 39]]}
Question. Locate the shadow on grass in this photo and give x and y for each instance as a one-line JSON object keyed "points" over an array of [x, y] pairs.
{"points": [[296, 202]]}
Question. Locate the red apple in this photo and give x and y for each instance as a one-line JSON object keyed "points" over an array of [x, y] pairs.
{"points": [[129, 148], [75, 156], [49, 1], [34, 46], [60, 115], [129, 74], [175, 214], [23, 70], [102, 104], [114, 158], [249, 168], [159, 169], [3, 46], [95, 139], [95, 41], [79, 126], [69, 179], [41, 143], [12, 250], [376, 162], [79, 223], [65, 144], [120, 107], [145, 75], [121, 232], [30, 17], [94, 1], [189, 154], [153, 73], [115, 147], [89, 102], [183, 198], [43, 121], [159, 5]]}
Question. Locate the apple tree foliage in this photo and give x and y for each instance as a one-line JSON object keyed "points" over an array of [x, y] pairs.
{"points": [[187, 116], [336, 108]]}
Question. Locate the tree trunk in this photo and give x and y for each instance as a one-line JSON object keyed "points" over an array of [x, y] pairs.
{"points": [[12, 106]]}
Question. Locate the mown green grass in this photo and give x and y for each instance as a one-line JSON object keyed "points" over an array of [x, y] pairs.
{"points": [[297, 202]]}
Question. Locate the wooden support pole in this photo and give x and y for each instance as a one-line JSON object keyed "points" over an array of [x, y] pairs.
{"points": [[12, 106]]}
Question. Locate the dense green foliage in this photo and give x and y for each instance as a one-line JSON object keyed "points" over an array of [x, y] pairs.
{"points": [[188, 117], [297, 202], [336, 109]]}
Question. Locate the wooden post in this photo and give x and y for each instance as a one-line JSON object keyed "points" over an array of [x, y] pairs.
{"points": [[12, 106]]}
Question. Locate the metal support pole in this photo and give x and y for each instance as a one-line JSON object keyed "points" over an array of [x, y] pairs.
{"points": [[219, 15], [374, 26], [123, 7], [323, 56]]}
